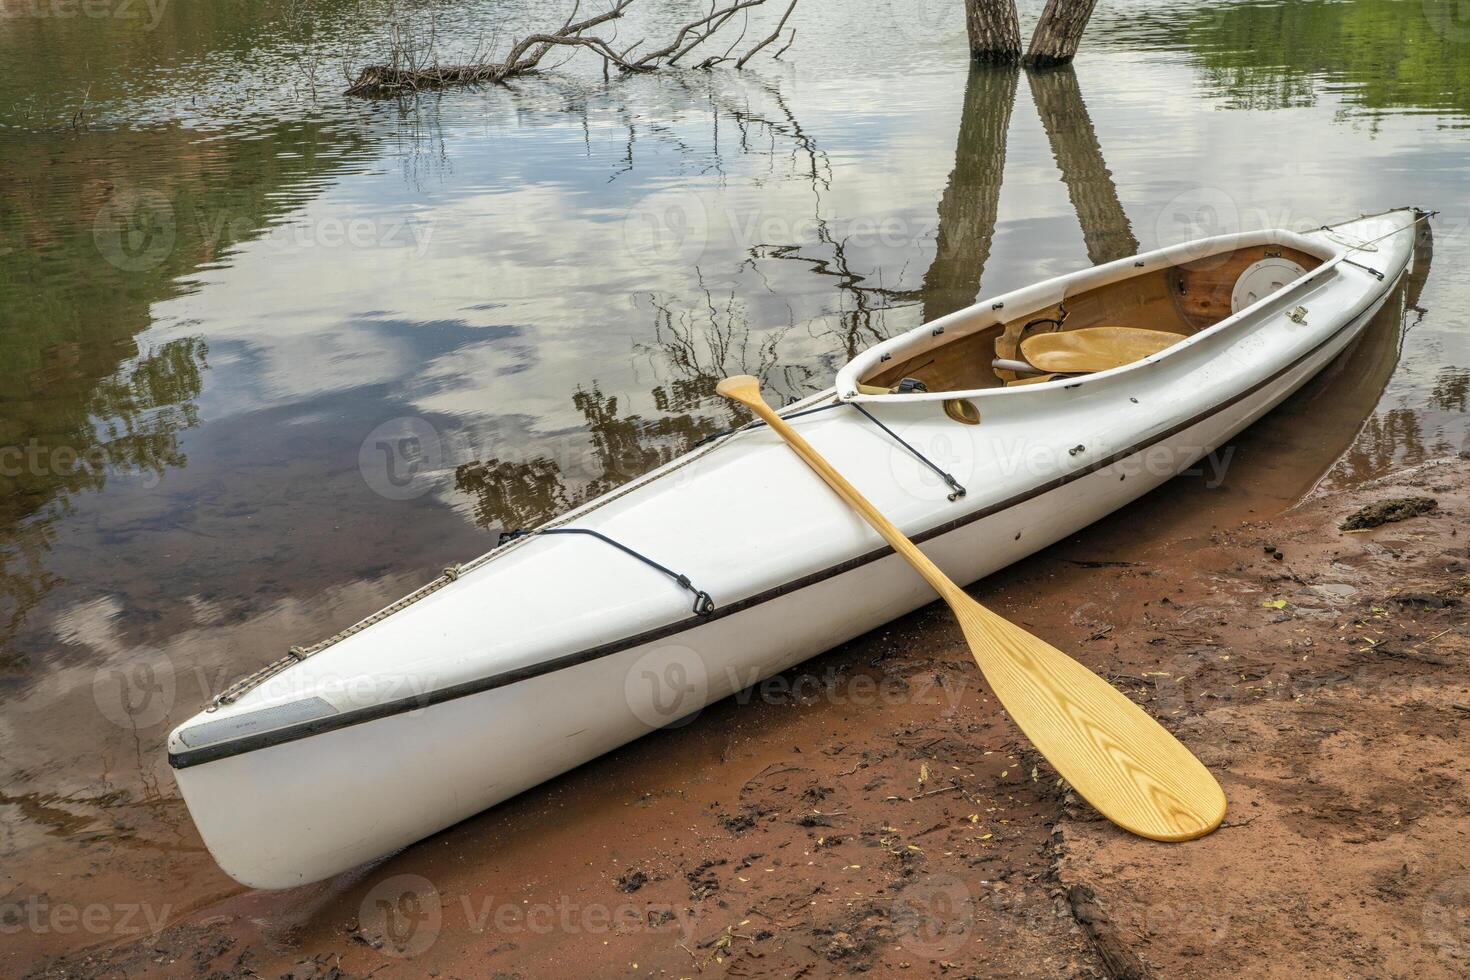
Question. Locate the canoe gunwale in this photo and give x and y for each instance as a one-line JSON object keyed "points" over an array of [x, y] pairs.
{"points": [[229, 748], [987, 312]]}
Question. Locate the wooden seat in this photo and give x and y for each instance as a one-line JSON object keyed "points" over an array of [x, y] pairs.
{"points": [[1089, 349]]}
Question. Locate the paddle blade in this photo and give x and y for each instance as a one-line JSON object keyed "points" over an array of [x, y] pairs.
{"points": [[1115, 756], [742, 388]]}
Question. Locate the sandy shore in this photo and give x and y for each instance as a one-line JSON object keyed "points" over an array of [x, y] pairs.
{"points": [[875, 811]]}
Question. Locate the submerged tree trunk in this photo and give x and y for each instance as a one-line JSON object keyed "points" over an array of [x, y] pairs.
{"points": [[1074, 144], [968, 209], [1059, 32], [995, 31]]}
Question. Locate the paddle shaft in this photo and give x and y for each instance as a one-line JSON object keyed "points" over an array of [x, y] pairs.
{"points": [[1117, 757], [896, 539]]}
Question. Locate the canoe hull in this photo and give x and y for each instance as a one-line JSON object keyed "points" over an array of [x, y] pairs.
{"points": [[304, 809], [396, 779]]}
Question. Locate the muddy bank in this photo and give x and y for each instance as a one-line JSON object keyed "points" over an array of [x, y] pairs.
{"points": [[874, 812], [1331, 691]]}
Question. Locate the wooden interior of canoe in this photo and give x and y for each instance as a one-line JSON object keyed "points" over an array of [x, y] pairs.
{"points": [[1183, 299]]}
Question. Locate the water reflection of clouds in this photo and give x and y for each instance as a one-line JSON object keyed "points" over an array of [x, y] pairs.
{"points": [[530, 230], [818, 234]]}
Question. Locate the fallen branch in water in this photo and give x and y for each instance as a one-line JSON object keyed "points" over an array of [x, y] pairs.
{"points": [[413, 68], [774, 34]]}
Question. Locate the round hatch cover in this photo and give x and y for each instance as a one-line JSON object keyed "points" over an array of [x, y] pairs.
{"points": [[1261, 280]]}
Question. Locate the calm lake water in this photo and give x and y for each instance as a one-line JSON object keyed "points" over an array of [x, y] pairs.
{"points": [[270, 357]]}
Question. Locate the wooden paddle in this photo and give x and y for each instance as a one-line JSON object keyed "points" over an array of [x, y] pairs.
{"points": [[1118, 758]]}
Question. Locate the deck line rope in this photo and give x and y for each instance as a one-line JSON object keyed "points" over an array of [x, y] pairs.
{"points": [[453, 573], [703, 604]]}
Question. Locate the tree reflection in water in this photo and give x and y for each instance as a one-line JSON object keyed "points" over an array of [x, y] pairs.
{"points": [[697, 340], [82, 400]]}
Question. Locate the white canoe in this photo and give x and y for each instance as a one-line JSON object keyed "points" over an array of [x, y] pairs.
{"points": [[552, 650]]}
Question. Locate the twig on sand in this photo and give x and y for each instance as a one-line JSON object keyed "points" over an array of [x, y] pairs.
{"points": [[772, 769], [943, 789], [1432, 638]]}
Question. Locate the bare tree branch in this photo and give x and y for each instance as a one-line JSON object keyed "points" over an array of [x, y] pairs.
{"points": [[712, 23], [414, 65], [515, 64], [774, 34]]}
